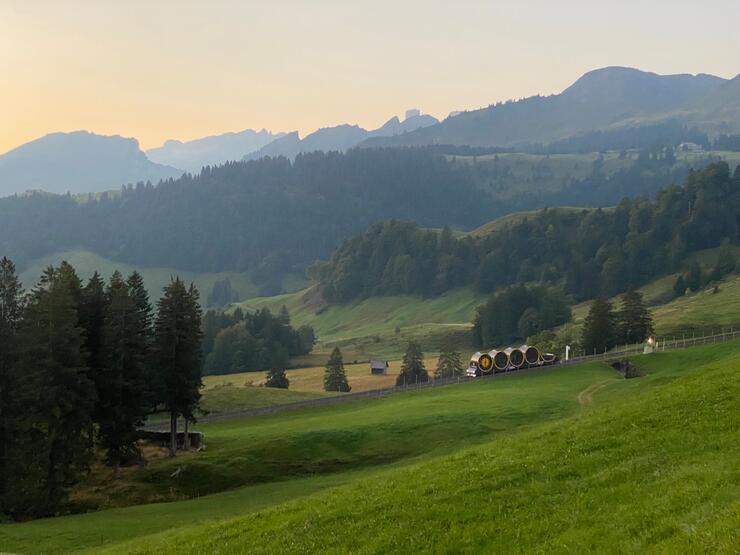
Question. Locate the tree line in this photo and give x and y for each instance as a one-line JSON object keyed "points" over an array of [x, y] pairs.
{"points": [[246, 342], [81, 366], [281, 216], [588, 253], [727, 142]]}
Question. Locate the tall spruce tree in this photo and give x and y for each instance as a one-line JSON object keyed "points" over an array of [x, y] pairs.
{"points": [[121, 380], [92, 314], [59, 393], [177, 347], [154, 386], [11, 309], [412, 368], [449, 364], [335, 378], [599, 328], [634, 322]]}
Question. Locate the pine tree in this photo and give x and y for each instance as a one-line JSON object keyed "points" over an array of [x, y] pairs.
{"points": [[154, 387], [11, 309], [335, 379], [276, 378], [59, 395], [306, 339], [140, 296], [121, 381], [599, 328], [92, 314], [412, 368], [634, 322], [177, 347], [449, 364]]}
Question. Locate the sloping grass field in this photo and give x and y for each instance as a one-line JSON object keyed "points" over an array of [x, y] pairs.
{"points": [[565, 459], [380, 327], [235, 392], [703, 312]]}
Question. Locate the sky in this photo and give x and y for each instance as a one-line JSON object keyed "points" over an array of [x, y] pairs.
{"points": [[159, 70]]}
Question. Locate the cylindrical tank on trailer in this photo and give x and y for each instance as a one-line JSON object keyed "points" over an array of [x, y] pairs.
{"points": [[482, 362], [548, 358], [531, 355], [500, 361], [516, 357]]}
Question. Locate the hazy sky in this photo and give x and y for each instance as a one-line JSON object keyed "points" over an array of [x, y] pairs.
{"points": [[158, 70]]}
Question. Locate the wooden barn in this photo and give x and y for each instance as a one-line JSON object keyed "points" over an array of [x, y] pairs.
{"points": [[378, 367]]}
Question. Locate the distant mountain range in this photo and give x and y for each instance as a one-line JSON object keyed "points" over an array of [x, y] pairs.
{"points": [[193, 155], [603, 99], [82, 162], [610, 101], [341, 137], [77, 162]]}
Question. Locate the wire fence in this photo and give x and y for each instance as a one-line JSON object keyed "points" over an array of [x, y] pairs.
{"points": [[661, 344]]}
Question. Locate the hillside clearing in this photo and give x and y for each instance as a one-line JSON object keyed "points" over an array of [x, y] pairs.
{"points": [[380, 327]]}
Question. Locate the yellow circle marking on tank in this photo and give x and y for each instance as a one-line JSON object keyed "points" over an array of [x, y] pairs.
{"points": [[485, 362]]}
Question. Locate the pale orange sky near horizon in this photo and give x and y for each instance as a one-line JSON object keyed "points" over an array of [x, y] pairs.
{"points": [[164, 69]]}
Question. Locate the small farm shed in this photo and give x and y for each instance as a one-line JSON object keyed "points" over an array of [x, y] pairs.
{"points": [[378, 367]]}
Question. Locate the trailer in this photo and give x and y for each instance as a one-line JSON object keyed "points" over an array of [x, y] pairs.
{"points": [[508, 360]]}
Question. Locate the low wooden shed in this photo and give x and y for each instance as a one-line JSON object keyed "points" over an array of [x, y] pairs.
{"points": [[378, 367]]}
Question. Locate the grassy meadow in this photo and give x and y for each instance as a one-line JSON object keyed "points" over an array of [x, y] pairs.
{"points": [[566, 459], [380, 327], [308, 380], [652, 471]]}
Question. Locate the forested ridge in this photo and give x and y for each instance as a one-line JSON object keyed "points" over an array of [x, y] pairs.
{"points": [[266, 216], [587, 252], [271, 217]]}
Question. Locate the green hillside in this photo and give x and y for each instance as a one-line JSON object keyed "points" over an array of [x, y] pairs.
{"points": [[368, 327], [709, 310], [656, 471], [573, 458], [225, 394], [86, 262]]}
